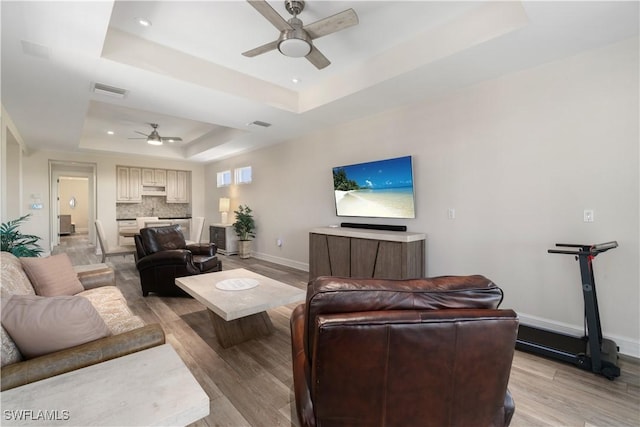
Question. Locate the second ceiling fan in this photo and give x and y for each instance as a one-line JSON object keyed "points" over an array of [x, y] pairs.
{"points": [[154, 137], [296, 39]]}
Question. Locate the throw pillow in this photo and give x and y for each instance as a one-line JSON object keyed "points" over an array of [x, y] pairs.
{"points": [[52, 276], [10, 352], [42, 325]]}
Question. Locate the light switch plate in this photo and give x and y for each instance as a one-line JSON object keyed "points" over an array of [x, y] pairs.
{"points": [[588, 215]]}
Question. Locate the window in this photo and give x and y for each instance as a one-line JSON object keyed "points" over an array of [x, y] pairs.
{"points": [[224, 178], [243, 175]]}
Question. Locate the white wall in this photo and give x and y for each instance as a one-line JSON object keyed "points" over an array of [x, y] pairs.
{"points": [[11, 148], [519, 158], [36, 180]]}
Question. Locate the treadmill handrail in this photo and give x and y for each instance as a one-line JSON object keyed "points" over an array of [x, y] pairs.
{"points": [[602, 247], [586, 249]]}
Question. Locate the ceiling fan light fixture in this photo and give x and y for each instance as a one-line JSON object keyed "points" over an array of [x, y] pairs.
{"points": [[154, 138], [294, 48], [294, 43], [295, 40]]}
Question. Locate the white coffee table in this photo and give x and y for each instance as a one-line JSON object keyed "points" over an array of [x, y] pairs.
{"points": [[152, 387], [239, 315]]}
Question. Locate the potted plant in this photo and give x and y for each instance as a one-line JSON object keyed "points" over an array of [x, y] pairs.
{"points": [[12, 240], [245, 228]]}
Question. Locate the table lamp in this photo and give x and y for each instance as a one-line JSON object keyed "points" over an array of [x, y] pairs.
{"points": [[224, 208]]}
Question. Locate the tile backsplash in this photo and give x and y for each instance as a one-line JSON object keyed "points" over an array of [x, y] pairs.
{"points": [[153, 206]]}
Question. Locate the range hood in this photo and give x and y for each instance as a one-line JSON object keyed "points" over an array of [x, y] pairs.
{"points": [[148, 190]]}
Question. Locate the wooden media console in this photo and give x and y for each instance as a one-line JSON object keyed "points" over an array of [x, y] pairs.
{"points": [[349, 252]]}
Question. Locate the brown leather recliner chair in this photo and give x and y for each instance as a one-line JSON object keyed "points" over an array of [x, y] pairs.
{"points": [[421, 352], [163, 255]]}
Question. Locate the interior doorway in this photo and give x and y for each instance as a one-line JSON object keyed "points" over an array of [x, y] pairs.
{"points": [[73, 198], [73, 192]]}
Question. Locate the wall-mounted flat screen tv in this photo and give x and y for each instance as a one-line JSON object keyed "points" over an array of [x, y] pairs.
{"points": [[380, 189]]}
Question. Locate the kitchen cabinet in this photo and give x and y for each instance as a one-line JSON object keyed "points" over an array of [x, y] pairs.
{"points": [[154, 177], [134, 182], [128, 184], [154, 182], [177, 186]]}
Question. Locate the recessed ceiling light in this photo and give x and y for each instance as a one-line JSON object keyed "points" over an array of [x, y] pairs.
{"points": [[110, 132], [295, 80], [143, 22]]}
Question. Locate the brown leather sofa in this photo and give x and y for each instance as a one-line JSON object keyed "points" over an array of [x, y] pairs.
{"points": [[163, 255], [427, 352]]}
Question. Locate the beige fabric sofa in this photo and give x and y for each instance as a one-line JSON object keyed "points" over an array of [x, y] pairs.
{"points": [[128, 332]]}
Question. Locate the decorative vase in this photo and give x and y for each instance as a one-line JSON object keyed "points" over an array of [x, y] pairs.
{"points": [[244, 249]]}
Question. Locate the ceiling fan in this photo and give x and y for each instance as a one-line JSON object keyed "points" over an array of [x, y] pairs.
{"points": [[295, 39], [155, 139]]}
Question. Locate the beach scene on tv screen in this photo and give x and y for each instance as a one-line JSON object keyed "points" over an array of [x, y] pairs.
{"points": [[382, 189]]}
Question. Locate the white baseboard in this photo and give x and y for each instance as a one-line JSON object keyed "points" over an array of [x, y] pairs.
{"points": [[282, 261], [627, 346]]}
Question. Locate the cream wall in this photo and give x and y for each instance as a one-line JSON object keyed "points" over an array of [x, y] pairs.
{"points": [[36, 180], [519, 158], [78, 188]]}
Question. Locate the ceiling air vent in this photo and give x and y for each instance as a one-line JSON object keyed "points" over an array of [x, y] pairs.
{"points": [[35, 49], [259, 123], [114, 92]]}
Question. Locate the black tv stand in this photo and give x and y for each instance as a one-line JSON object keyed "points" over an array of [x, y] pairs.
{"points": [[591, 352]]}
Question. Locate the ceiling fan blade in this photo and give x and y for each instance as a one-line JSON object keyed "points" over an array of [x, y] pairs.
{"points": [[171, 139], [261, 49], [136, 138], [141, 133], [331, 24], [317, 58], [270, 14]]}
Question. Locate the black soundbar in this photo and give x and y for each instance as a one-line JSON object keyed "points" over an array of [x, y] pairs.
{"points": [[384, 227]]}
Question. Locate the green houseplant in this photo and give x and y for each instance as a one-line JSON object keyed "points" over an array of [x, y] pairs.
{"points": [[21, 245], [245, 228]]}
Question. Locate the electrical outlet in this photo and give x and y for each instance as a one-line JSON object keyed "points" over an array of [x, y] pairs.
{"points": [[279, 242], [588, 215], [451, 213]]}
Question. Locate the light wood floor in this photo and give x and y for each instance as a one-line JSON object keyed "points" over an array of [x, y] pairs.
{"points": [[251, 384]]}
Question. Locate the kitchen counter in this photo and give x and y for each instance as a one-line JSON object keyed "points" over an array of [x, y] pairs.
{"points": [[128, 227], [159, 218]]}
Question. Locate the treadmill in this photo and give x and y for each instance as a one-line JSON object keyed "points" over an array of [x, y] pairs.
{"points": [[592, 352]]}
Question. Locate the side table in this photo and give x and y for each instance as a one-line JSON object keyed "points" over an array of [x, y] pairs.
{"points": [[224, 237], [150, 387]]}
